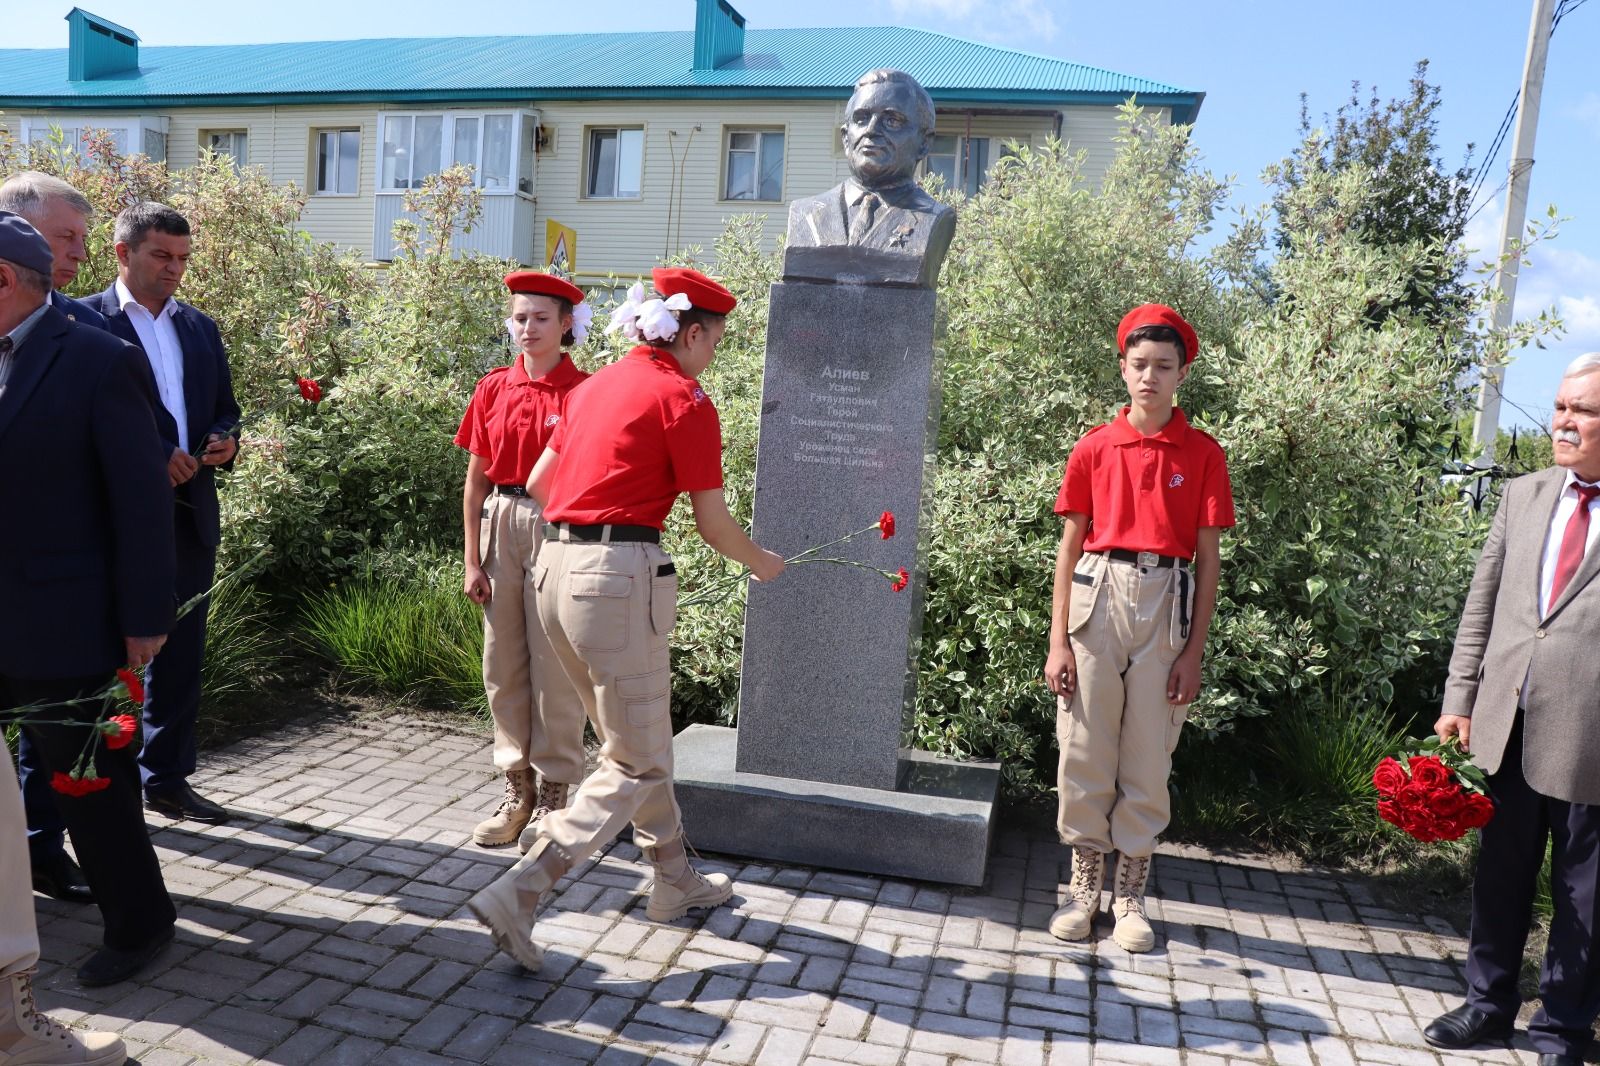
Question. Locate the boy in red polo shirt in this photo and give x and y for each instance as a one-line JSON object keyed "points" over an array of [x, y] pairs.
{"points": [[635, 435], [1144, 496]]}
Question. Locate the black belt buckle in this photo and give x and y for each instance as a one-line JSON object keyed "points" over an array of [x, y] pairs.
{"points": [[511, 490]]}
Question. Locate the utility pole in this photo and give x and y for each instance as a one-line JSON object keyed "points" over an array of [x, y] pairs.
{"points": [[1487, 423]]}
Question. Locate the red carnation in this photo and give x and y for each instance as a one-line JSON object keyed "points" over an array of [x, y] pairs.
{"points": [[310, 390], [901, 581], [1388, 777], [68, 785], [118, 730], [886, 523], [133, 683], [1429, 772]]}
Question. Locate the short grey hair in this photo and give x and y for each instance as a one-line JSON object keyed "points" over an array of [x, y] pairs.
{"points": [[30, 278], [1585, 363], [28, 192], [135, 222]]}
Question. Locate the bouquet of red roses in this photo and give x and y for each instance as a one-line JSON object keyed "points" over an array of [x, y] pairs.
{"points": [[1432, 791]]}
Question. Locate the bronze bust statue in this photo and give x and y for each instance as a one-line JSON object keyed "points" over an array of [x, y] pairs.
{"points": [[878, 226]]}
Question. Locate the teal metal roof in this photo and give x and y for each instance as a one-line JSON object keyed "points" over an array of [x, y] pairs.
{"points": [[776, 63]]}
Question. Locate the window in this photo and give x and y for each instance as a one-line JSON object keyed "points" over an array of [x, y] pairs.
{"points": [[143, 134], [417, 146], [338, 152], [232, 143], [963, 162], [755, 165], [616, 163]]}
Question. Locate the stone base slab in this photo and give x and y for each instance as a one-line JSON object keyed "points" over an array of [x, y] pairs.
{"points": [[935, 826]]}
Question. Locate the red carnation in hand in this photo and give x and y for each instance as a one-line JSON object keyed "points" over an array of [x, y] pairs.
{"points": [[133, 683], [901, 580], [310, 390], [118, 730], [1388, 777], [886, 524], [68, 785]]}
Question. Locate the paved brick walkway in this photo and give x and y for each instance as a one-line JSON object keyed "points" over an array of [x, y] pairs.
{"points": [[329, 928]]}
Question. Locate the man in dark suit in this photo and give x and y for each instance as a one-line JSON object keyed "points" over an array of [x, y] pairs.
{"points": [[198, 420], [878, 225], [61, 215], [86, 572], [1524, 691]]}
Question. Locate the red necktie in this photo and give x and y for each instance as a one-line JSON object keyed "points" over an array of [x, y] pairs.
{"points": [[1573, 541]]}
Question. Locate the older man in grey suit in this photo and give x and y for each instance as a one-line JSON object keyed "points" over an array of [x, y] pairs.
{"points": [[1524, 693]]}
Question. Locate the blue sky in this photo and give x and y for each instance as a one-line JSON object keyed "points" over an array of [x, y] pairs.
{"points": [[1252, 58]]}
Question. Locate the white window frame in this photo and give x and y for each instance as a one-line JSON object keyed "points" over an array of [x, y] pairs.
{"points": [[132, 127], [761, 133], [516, 182], [585, 176], [240, 159], [317, 133], [963, 158]]}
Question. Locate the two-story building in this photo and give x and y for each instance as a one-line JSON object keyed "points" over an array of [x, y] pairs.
{"points": [[641, 143]]}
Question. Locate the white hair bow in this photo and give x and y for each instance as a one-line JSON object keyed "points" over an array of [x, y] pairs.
{"points": [[655, 319]]}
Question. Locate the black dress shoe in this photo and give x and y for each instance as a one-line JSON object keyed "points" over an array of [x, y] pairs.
{"points": [[1465, 1027], [59, 878], [110, 965], [1550, 1058], [185, 802]]}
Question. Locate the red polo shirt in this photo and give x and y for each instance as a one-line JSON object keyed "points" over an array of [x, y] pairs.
{"points": [[511, 417], [637, 434], [1147, 494]]}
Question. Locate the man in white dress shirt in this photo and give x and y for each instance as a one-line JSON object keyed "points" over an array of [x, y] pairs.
{"points": [[199, 422], [1524, 693]]}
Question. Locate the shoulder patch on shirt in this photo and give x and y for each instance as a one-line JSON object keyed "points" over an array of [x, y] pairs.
{"points": [[700, 395]]}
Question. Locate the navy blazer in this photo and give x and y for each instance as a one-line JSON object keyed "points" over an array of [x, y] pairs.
{"points": [[207, 396], [76, 310], [86, 547]]}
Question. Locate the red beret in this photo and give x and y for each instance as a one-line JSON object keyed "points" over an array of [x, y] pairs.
{"points": [[702, 292], [1158, 315], [538, 283]]}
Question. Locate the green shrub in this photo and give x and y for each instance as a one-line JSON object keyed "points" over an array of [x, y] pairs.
{"points": [[418, 638], [244, 647]]}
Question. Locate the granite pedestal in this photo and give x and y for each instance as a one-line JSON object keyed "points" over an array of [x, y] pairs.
{"points": [[818, 772]]}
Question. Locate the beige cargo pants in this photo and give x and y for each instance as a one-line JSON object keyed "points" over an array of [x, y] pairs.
{"points": [[1127, 626], [609, 610], [538, 717]]}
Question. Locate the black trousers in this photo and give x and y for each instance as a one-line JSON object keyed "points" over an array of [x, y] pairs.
{"points": [[172, 681], [1503, 889], [107, 827]]}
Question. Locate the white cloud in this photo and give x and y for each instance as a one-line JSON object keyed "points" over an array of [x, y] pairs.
{"points": [[1565, 279], [1024, 23]]}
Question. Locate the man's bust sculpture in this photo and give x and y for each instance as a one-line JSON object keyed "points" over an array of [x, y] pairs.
{"points": [[878, 226]]}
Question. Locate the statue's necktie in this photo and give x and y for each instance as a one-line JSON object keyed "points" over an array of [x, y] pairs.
{"points": [[866, 208], [1573, 541]]}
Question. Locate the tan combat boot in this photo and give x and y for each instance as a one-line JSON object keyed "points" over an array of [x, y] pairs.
{"points": [[28, 1038], [508, 905], [502, 827], [679, 888], [1133, 930], [1076, 917], [552, 796]]}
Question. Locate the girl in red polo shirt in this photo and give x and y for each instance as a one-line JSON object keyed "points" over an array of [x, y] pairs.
{"points": [[538, 717], [637, 436], [1145, 499]]}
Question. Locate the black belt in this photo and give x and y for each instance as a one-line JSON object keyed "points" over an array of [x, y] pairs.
{"points": [[1123, 555], [510, 490], [595, 534]]}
